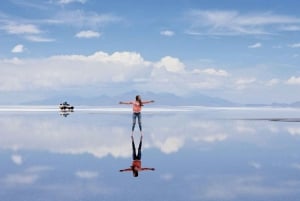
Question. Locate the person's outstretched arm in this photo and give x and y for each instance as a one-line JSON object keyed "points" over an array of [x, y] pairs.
{"points": [[145, 102], [125, 102], [125, 170], [148, 169]]}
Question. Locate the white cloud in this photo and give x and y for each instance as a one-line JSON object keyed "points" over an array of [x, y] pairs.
{"points": [[167, 177], [226, 22], [83, 70], [255, 165], [20, 179], [256, 45], [243, 83], [18, 49], [273, 82], [167, 33], [171, 64], [294, 131], [14, 28], [86, 174], [71, 1], [80, 18], [290, 28], [88, 34], [215, 138], [293, 80], [17, 159], [295, 45], [212, 71], [37, 38], [110, 69], [243, 128], [170, 145]]}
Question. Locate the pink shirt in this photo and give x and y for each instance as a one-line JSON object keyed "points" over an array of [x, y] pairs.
{"points": [[136, 107]]}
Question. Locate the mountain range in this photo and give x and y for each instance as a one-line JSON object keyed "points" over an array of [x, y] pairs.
{"points": [[160, 99]]}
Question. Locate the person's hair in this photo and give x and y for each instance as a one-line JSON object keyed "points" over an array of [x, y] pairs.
{"points": [[134, 172], [137, 98]]}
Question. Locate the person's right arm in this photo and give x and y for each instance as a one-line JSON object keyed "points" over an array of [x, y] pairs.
{"points": [[124, 170], [125, 102]]}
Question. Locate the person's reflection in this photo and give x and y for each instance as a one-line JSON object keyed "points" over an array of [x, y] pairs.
{"points": [[136, 160]]}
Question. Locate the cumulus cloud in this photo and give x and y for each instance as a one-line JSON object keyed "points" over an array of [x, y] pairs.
{"points": [[170, 145], [294, 131], [293, 80], [82, 70], [119, 70], [256, 45], [171, 64], [88, 34], [18, 49], [167, 33], [17, 159]]}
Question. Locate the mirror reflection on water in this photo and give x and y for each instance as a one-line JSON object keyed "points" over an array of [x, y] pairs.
{"points": [[198, 154]]}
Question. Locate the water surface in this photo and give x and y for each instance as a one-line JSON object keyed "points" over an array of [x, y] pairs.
{"points": [[198, 153]]}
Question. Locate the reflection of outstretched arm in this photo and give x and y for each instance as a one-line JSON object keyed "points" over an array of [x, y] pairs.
{"points": [[126, 170], [148, 169]]}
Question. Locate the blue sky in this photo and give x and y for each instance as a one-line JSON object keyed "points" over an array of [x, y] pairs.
{"points": [[244, 51]]}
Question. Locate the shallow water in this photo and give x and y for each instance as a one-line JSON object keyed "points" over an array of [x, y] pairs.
{"points": [[198, 153]]}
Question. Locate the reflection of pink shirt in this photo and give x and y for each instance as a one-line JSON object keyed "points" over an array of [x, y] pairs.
{"points": [[138, 165]]}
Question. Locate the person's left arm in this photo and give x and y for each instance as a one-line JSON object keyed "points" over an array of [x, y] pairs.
{"points": [[148, 169], [125, 170], [145, 102]]}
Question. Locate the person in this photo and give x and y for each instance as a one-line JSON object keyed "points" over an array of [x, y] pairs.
{"points": [[136, 165], [137, 108]]}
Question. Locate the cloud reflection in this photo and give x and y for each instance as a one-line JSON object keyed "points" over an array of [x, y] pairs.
{"points": [[104, 133]]}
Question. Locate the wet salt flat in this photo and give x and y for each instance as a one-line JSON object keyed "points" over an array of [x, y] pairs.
{"points": [[198, 153]]}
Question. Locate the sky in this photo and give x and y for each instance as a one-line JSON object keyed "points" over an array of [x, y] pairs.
{"points": [[244, 51]]}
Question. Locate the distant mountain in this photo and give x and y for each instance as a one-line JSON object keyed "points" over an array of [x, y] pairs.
{"points": [[160, 99]]}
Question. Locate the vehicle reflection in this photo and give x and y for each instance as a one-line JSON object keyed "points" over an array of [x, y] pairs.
{"points": [[136, 165], [64, 113]]}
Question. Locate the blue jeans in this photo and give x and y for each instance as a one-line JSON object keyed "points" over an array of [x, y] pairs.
{"points": [[139, 117], [137, 156]]}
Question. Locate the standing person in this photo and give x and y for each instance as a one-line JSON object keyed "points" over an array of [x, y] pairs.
{"points": [[136, 165], [137, 108]]}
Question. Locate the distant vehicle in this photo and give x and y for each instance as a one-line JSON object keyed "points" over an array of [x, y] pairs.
{"points": [[66, 107]]}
